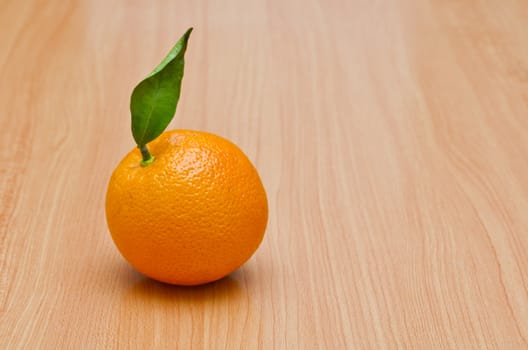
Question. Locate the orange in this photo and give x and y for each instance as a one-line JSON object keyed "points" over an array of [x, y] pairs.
{"points": [[194, 215]]}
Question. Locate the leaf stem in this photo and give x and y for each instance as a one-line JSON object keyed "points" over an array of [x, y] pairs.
{"points": [[147, 157]]}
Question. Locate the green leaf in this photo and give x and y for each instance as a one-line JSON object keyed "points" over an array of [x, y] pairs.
{"points": [[153, 101]]}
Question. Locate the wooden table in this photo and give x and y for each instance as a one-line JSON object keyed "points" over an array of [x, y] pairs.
{"points": [[391, 136]]}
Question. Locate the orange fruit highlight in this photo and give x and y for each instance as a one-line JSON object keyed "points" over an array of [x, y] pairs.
{"points": [[194, 215]]}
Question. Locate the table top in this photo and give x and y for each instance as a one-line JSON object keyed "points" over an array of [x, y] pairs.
{"points": [[391, 137]]}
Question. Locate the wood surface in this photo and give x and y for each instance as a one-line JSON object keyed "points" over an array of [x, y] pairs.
{"points": [[391, 136]]}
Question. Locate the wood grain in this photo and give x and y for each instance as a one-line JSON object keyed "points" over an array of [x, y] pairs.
{"points": [[391, 136]]}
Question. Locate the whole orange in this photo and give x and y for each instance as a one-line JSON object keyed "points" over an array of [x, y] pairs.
{"points": [[192, 216]]}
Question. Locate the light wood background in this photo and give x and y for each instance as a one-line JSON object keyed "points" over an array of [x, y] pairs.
{"points": [[391, 136]]}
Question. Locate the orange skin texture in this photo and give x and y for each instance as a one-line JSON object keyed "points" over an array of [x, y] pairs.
{"points": [[194, 215]]}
